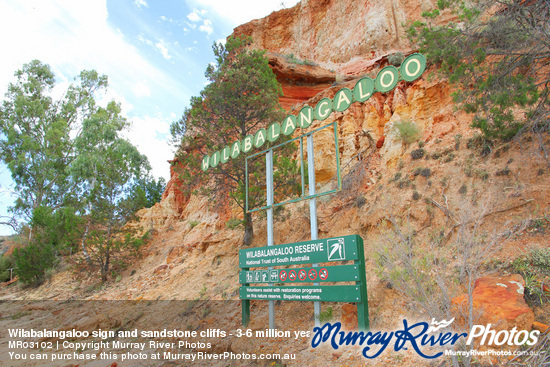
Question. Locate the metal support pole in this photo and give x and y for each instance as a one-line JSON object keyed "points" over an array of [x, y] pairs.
{"points": [[269, 187], [313, 213]]}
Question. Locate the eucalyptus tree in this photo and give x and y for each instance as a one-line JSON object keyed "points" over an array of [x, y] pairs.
{"points": [[72, 169], [37, 133], [106, 167]]}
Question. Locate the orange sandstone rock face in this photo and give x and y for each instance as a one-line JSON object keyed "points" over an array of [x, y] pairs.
{"points": [[172, 190], [349, 317], [299, 82], [334, 32], [499, 301]]}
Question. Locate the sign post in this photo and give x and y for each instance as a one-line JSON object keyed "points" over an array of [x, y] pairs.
{"points": [[313, 212], [269, 186]]}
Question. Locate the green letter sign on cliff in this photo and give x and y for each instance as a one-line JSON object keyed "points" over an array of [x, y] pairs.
{"points": [[411, 69]]}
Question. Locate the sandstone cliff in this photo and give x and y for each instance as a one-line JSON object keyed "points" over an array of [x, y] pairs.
{"points": [[194, 255], [336, 32]]}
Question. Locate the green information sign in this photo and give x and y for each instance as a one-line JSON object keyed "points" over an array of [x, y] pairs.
{"points": [[307, 252], [342, 293], [278, 258]]}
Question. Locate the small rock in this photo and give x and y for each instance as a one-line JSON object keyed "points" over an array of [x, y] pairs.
{"points": [[160, 269]]}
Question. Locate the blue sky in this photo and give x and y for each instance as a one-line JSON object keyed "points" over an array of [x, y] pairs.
{"points": [[154, 52]]}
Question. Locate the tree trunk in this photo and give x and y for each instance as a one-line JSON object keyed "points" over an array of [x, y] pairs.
{"points": [[105, 269], [248, 230], [84, 250], [83, 243]]}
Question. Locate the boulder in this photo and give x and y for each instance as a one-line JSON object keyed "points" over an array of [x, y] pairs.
{"points": [[498, 301]]}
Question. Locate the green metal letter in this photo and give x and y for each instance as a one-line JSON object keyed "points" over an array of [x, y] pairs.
{"points": [[387, 79], [235, 149], [273, 131], [363, 89], [289, 124], [205, 163], [305, 117], [342, 99], [224, 154], [215, 159], [413, 67], [323, 109], [247, 143], [259, 138]]}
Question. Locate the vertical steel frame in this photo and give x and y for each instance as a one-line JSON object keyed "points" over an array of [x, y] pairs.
{"points": [[269, 186], [312, 197]]}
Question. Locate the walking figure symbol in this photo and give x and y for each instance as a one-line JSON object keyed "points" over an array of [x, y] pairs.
{"points": [[336, 249]]}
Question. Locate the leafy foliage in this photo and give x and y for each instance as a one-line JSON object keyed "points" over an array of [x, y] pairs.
{"points": [[73, 172], [6, 262], [498, 54], [35, 140], [407, 131], [61, 228], [534, 267], [146, 192], [33, 261], [105, 168], [241, 98]]}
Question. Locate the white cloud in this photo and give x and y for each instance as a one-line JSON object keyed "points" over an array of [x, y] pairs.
{"points": [[141, 90], [141, 38], [150, 134], [241, 11], [194, 16], [161, 46], [206, 27], [140, 3]]}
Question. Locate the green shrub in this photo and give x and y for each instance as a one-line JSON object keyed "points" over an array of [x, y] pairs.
{"points": [[417, 153], [32, 262], [233, 223], [293, 59], [503, 172], [326, 315], [534, 267], [396, 59], [424, 172], [407, 131], [6, 262], [449, 158]]}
